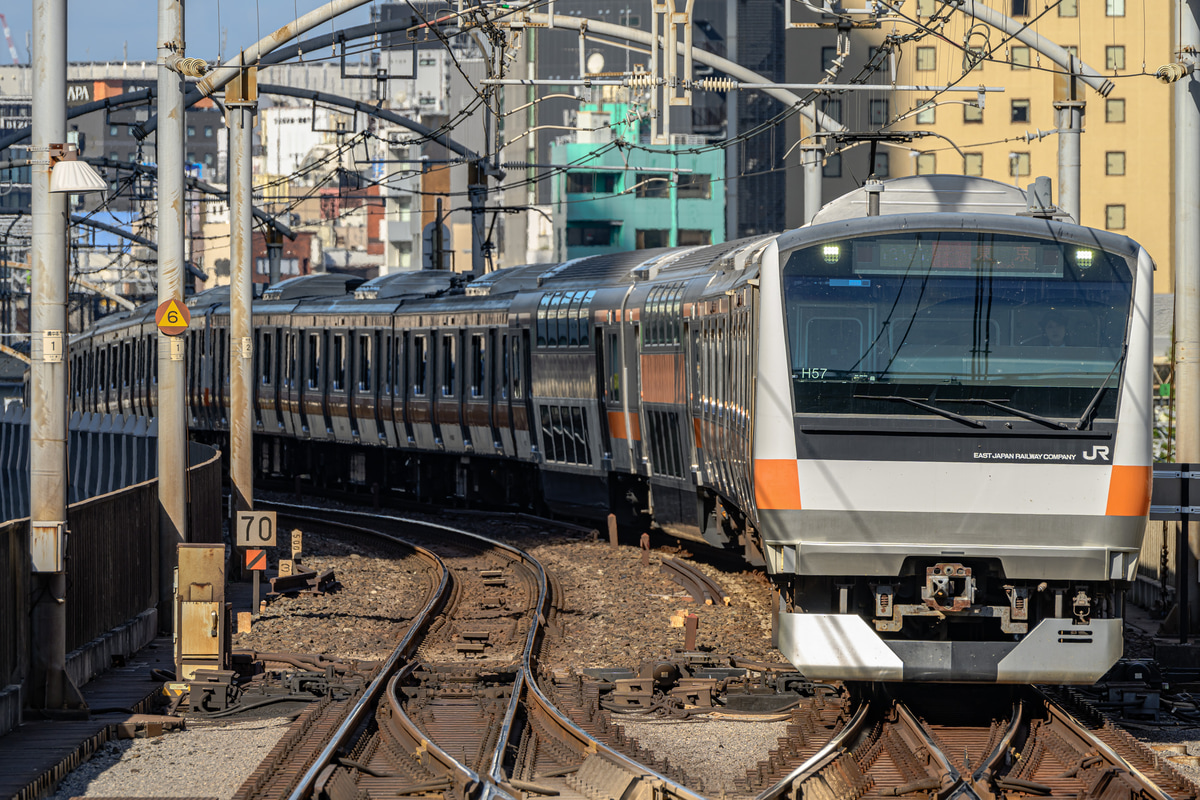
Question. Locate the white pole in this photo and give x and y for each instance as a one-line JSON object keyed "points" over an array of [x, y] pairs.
{"points": [[240, 118], [1187, 277], [49, 686], [172, 377]]}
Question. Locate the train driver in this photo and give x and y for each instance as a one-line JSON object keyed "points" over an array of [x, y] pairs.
{"points": [[1054, 331]]}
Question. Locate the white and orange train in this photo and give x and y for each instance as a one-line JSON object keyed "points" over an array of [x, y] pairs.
{"points": [[932, 423]]}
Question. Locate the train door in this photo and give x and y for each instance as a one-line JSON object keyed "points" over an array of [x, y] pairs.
{"points": [[400, 390], [421, 389], [501, 394], [365, 408], [266, 406], [312, 413], [448, 402], [605, 374], [477, 416], [522, 411], [491, 395], [287, 393], [338, 413]]}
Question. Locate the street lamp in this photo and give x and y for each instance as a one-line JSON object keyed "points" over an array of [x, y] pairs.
{"points": [[70, 175]]}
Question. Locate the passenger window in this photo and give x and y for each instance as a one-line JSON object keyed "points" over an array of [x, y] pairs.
{"points": [[614, 368], [542, 312], [478, 353], [564, 309], [585, 320], [502, 377], [264, 359], [573, 319], [339, 363], [448, 365], [314, 360], [364, 363], [420, 365], [518, 391]]}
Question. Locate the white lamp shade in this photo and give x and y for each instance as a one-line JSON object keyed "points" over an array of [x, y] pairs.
{"points": [[76, 177]]}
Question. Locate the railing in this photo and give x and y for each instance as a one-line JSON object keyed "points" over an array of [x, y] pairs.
{"points": [[112, 553]]}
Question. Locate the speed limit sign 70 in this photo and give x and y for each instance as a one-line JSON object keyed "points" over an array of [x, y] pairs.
{"points": [[255, 529]]}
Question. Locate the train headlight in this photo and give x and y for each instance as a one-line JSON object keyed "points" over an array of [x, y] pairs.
{"points": [[832, 253], [1085, 258]]}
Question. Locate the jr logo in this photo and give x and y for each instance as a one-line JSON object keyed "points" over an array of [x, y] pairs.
{"points": [[1098, 451]]}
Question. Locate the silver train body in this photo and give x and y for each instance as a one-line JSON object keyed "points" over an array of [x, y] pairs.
{"points": [[942, 486]]}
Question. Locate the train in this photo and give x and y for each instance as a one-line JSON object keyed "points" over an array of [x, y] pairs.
{"points": [[927, 412]]}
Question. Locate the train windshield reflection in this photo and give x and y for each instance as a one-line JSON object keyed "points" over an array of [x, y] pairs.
{"points": [[961, 315]]}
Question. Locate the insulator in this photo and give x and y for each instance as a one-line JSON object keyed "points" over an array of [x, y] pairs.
{"points": [[191, 67], [1169, 73], [717, 84], [641, 81]]}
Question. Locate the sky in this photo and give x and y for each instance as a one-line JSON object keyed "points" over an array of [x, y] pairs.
{"points": [[99, 30]]}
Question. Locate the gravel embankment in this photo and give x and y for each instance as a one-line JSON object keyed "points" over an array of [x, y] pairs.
{"points": [[208, 759]]}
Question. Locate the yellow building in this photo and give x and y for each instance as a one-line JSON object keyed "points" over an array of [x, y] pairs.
{"points": [[1126, 178]]}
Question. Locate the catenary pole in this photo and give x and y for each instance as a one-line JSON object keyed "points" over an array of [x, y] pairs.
{"points": [[239, 115], [1187, 294], [811, 156], [172, 422], [50, 688]]}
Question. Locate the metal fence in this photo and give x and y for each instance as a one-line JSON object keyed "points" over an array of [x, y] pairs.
{"points": [[112, 545], [1154, 587]]}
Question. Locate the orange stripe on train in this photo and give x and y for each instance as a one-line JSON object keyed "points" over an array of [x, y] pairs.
{"points": [[1129, 491], [777, 484]]}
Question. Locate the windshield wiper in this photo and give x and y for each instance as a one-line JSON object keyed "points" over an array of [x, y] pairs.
{"points": [[1016, 412], [974, 423], [1085, 417]]}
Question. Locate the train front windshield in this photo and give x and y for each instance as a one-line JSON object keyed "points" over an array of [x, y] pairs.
{"points": [[955, 318]]}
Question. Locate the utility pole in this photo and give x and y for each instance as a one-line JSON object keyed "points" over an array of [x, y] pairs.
{"points": [[1070, 125], [1187, 292], [172, 377], [811, 157], [50, 688], [241, 96]]}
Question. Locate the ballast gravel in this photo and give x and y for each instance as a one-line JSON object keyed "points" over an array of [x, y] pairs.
{"points": [[208, 759], [715, 753]]}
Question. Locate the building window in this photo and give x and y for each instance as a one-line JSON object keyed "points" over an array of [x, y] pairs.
{"points": [[694, 187], [972, 113], [1114, 8], [882, 165], [1068, 8], [1114, 56], [1020, 57], [828, 54], [1020, 111], [1114, 218], [208, 131], [925, 8], [191, 130], [973, 165], [1114, 163], [653, 184], [833, 166], [113, 130], [1018, 164], [591, 182], [927, 114], [832, 108], [1114, 110], [879, 112], [590, 235], [926, 163], [653, 237], [926, 59], [692, 238], [209, 158], [191, 158], [1020, 8]]}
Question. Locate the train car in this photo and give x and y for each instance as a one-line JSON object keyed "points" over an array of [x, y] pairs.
{"points": [[927, 412]]}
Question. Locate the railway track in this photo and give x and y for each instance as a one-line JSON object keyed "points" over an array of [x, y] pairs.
{"points": [[461, 711], [456, 711]]}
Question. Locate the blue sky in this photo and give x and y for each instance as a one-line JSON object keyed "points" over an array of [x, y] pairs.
{"points": [[97, 30]]}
